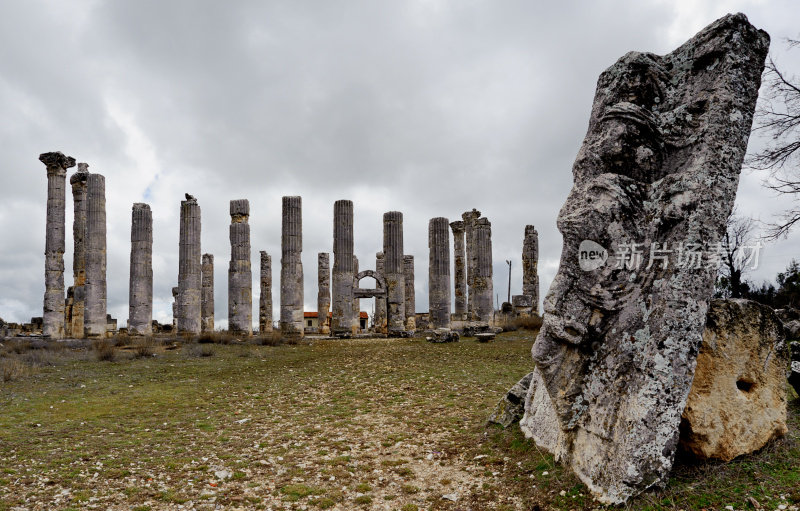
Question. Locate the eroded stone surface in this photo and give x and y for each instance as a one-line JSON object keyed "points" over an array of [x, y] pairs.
{"points": [[76, 307], [140, 300], [530, 266], [323, 291], [53, 315], [240, 274], [265, 295], [291, 321], [738, 398], [393, 272], [207, 293], [411, 303], [95, 321], [189, 268], [659, 164], [511, 408], [459, 263], [439, 273], [343, 270]]}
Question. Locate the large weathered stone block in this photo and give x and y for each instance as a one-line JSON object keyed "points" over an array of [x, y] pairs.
{"points": [[657, 172], [738, 398]]}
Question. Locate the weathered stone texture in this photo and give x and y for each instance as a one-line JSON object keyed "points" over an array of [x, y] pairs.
{"points": [[460, 277], [140, 289], [380, 301], [265, 296], [469, 218], [439, 273], [240, 275], [189, 269], [207, 293], [175, 292], [324, 291], [530, 266], [411, 305], [393, 267], [343, 270], [483, 287], [738, 398], [95, 324], [660, 164], [356, 302], [292, 268], [511, 408], [53, 315], [75, 314]]}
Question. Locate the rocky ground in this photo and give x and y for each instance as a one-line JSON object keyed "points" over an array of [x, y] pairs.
{"points": [[351, 424]]}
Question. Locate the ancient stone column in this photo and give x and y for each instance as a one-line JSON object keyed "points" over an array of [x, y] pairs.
{"points": [[530, 264], [53, 315], [175, 291], [207, 293], [356, 301], [292, 268], [240, 276], [459, 256], [482, 282], [343, 271], [439, 273], [265, 296], [140, 289], [75, 316], [95, 321], [410, 307], [189, 268], [380, 301], [324, 291], [393, 266], [469, 218]]}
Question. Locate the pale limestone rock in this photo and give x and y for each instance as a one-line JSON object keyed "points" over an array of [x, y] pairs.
{"points": [[738, 398], [659, 164], [511, 408]]}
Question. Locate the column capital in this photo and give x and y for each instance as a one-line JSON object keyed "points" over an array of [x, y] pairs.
{"points": [[457, 226], [57, 162]]}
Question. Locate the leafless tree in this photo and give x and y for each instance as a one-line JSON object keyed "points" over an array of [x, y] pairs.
{"points": [[737, 246], [778, 117]]}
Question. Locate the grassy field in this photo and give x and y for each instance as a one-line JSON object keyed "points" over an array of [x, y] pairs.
{"points": [[395, 424]]}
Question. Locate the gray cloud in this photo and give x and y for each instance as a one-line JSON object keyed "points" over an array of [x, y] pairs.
{"points": [[426, 107]]}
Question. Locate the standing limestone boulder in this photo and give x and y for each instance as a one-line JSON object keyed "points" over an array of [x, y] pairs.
{"points": [[738, 398], [654, 183], [794, 372]]}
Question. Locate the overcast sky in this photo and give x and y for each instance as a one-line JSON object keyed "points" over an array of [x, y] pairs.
{"points": [[427, 107]]}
